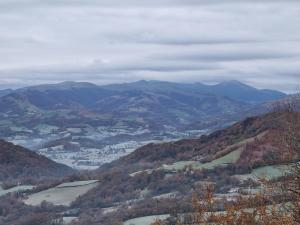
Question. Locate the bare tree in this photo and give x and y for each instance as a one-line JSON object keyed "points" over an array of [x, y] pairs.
{"points": [[291, 139]]}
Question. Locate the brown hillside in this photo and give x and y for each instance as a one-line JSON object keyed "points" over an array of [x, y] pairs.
{"points": [[17, 162], [259, 137]]}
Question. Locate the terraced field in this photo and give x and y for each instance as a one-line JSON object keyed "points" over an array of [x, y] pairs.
{"points": [[63, 194]]}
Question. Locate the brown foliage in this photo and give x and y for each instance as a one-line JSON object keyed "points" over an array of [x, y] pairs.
{"points": [[244, 211], [20, 163], [259, 209]]}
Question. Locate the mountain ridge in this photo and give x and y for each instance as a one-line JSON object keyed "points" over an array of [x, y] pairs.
{"points": [[243, 89], [267, 126], [17, 163]]}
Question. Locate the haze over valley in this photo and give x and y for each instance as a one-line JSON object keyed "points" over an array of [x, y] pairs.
{"points": [[84, 125]]}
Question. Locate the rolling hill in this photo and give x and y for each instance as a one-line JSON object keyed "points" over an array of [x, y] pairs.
{"points": [[18, 163], [256, 140]]}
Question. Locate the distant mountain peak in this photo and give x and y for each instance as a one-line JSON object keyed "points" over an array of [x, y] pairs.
{"points": [[77, 84], [62, 86], [152, 82], [234, 83], [5, 92]]}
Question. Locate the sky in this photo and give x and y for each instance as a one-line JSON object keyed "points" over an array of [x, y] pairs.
{"points": [[114, 41]]}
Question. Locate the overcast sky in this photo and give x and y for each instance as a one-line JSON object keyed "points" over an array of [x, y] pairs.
{"points": [[109, 41]]}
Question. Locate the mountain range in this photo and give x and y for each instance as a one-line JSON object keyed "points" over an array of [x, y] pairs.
{"points": [[102, 123], [232, 89]]}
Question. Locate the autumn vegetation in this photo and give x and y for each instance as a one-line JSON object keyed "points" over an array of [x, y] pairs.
{"points": [[198, 190], [278, 203]]}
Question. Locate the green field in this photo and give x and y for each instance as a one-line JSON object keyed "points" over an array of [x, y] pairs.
{"points": [[63, 194], [231, 157], [67, 220], [178, 165], [266, 172], [20, 188], [147, 220]]}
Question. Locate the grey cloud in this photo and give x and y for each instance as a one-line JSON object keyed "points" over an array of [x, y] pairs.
{"points": [[197, 41], [132, 2], [229, 55], [109, 41], [104, 69]]}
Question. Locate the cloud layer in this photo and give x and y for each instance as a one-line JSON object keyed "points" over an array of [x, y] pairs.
{"points": [[257, 42]]}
